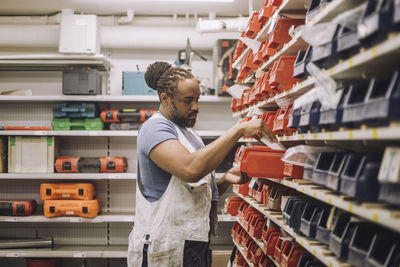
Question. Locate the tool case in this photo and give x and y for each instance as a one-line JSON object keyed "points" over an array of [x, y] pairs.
{"points": [[88, 124], [73, 208], [76, 191], [127, 115], [74, 111], [91, 165], [81, 82], [17, 207]]}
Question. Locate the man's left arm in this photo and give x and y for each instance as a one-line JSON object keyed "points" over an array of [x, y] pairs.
{"points": [[233, 176]]}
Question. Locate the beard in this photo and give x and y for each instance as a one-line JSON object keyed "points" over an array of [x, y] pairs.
{"points": [[180, 120]]}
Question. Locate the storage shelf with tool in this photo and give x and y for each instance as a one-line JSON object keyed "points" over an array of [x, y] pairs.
{"points": [[93, 133], [52, 62], [98, 98], [314, 247], [376, 212], [380, 56]]}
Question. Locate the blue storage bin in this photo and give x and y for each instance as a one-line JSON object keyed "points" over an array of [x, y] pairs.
{"points": [[323, 235], [309, 218], [320, 173], [309, 117], [82, 110], [348, 43], [359, 178], [384, 251], [336, 168], [133, 83], [331, 118], [294, 118], [353, 106], [341, 235], [382, 103], [396, 15], [293, 210], [389, 193], [302, 59], [360, 243], [325, 56]]}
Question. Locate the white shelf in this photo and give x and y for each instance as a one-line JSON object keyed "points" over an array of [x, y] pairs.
{"points": [[68, 176], [99, 98], [52, 62], [226, 218], [241, 249], [102, 218], [382, 133], [376, 212], [94, 133], [68, 252], [314, 247]]}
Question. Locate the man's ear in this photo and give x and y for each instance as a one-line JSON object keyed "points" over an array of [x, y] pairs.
{"points": [[164, 99]]}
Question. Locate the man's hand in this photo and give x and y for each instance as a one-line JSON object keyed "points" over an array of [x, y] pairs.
{"points": [[234, 176], [257, 128]]}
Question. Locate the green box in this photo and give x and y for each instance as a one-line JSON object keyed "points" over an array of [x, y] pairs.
{"points": [[88, 124]]}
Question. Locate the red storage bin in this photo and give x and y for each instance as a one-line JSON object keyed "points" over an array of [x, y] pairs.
{"points": [[252, 159], [281, 121], [267, 10], [258, 194], [268, 117], [240, 47], [266, 90], [256, 254], [235, 228], [247, 245], [240, 260], [243, 188], [232, 205], [256, 225], [241, 236], [270, 238], [254, 26], [293, 171], [234, 103], [280, 244], [291, 254], [241, 210], [248, 216], [281, 77], [259, 86], [266, 192], [258, 58]]}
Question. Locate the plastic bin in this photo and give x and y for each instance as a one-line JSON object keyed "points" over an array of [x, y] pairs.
{"points": [[360, 243], [323, 234], [280, 244], [331, 118], [291, 254], [270, 238], [275, 197], [268, 117], [293, 171], [341, 234], [293, 210], [256, 225], [308, 260], [266, 191], [30, 154], [359, 178], [281, 122], [133, 83], [320, 173], [302, 59], [83, 110], [281, 77], [348, 43], [384, 251], [232, 205], [258, 58], [382, 102], [335, 170], [242, 188], [309, 218], [325, 55], [88, 124], [267, 10], [309, 117], [294, 118], [353, 105], [251, 158], [254, 26], [314, 8]]}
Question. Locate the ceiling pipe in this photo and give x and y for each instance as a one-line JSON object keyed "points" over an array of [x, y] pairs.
{"points": [[127, 19]]}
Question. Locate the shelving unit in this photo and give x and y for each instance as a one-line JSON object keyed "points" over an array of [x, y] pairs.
{"points": [[241, 249]]}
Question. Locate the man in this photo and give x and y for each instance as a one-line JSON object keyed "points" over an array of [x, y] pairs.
{"points": [[177, 192]]}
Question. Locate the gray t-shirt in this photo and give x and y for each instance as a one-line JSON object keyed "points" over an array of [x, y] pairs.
{"points": [[153, 180]]}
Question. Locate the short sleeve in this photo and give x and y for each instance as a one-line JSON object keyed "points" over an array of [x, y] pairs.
{"points": [[154, 132]]}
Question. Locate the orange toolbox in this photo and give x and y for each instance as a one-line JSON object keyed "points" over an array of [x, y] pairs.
{"points": [[254, 26], [268, 9], [232, 205], [272, 167], [17, 207], [73, 208], [291, 254], [91, 165], [77, 191], [293, 171], [126, 115], [281, 122], [281, 77]]}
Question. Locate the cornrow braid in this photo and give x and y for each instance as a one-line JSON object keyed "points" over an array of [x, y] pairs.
{"points": [[164, 78]]}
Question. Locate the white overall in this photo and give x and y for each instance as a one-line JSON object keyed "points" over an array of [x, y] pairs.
{"points": [[182, 213]]}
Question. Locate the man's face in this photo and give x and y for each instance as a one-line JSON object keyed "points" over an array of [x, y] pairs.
{"points": [[185, 104]]}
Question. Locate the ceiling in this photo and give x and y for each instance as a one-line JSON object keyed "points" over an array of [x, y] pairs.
{"points": [[119, 7]]}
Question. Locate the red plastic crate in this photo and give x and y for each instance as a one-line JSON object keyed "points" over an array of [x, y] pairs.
{"points": [[241, 236], [281, 77], [258, 194], [266, 191], [247, 245], [250, 162], [267, 10], [242, 210], [240, 260], [254, 26], [266, 90], [268, 117], [243, 188], [255, 226], [291, 254], [251, 212], [232, 205], [281, 121], [280, 244], [256, 254], [235, 228], [293, 171], [234, 104], [240, 47], [258, 58], [270, 238]]}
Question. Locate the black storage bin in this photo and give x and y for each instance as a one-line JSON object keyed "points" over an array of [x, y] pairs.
{"points": [[375, 21], [389, 193], [292, 213], [359, 178], [294, 118], [396, 14], [309, 120], [324, 162], [308, 260], [341, 235], [309, 218], [336, 168], [360, 243], [325, 56], [331, 118], [382, 102], [353, 106], [323, 235], [384, 251], [302, 59]]}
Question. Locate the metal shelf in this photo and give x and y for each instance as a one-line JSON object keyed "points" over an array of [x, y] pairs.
{"points": [[99, 98], [94, 133], [68, 176], [376, 212], [314, 247], [52, 62], [382, 133], [68, 252]]}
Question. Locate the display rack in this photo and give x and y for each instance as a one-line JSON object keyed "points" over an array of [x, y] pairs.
{"points": [[241, 250]]}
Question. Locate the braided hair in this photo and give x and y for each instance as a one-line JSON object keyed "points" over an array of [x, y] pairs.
{"points": [[164, 78]]}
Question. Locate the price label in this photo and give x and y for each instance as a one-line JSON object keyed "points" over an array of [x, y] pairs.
{"points": [[11, 219], [94, 133], [314, 252], [302, 189], [79, 255], [330, 135], [315, 194], [75, 220], [375, 133], [301, 242], [374, 52], [114, 176], [351, 62], [375, 217], [40, 133], [12, 255], [350, 209], [329, 200], [351, 135]]}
